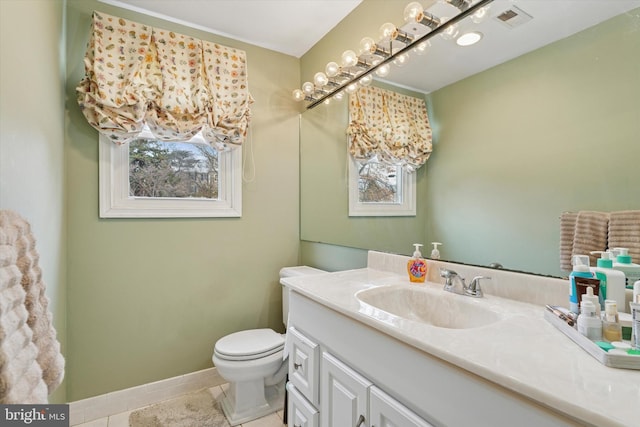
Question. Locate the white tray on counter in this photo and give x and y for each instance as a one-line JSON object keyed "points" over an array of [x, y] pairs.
{"points": [[622, 361]]}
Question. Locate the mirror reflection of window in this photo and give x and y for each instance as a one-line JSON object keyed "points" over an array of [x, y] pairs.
{"points": [[379, 183]]}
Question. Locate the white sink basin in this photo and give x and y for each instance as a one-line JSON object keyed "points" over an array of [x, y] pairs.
{"points": [[435, 307]]}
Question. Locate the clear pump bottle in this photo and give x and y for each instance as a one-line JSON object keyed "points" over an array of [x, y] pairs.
{"points": [[589, 324]]}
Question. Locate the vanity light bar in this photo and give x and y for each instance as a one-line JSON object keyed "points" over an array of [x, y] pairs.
{"points": [[322, 93]]}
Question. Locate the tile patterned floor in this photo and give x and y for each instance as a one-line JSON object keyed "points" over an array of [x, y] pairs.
{"points": [[122, 419]]}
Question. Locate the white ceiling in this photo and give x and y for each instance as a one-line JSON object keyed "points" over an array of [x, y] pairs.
{"points": [[294, 26], [287, 26]]}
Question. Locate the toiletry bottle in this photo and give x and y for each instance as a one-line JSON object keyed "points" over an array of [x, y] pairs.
{"points": [[580, 269], [613, 281], [590, 296], [611, 328], [589, 324], [417, 267], [624, 263], [435, 253], [635, 325], [636, 292]]}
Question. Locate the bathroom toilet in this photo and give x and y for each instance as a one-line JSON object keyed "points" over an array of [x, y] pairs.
{"points": [[252, 362]]}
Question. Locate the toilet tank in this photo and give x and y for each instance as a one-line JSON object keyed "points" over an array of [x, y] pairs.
{"points": [[301, 270]]}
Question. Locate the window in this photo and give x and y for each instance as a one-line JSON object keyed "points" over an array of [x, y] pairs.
{"points": [[149, 178], [378, 189]]}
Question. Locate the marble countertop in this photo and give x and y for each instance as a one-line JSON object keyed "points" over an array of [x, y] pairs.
{"points": [[522, 352]]}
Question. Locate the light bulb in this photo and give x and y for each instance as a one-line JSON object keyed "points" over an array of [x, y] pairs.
{"points": [[450, 32], [320, 79], [332, 69], [366, 80], [383, 70], [349, 58], [351, 88], [413, 12], [480, 15], [421, 48], [308, 88], [388, 31], [298, 95], [367, 45], [400, 60]]}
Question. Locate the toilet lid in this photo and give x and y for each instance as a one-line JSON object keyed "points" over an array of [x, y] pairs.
{"points": [[250, 344]]}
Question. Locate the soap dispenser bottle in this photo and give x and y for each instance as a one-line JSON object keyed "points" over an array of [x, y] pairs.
{"points": [[580, 269], [435, 253], [612, 282], [623, 263], [417, 266]]}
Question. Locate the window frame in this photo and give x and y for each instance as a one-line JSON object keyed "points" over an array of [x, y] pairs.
{"points": [[115, 201], [358, 208]]}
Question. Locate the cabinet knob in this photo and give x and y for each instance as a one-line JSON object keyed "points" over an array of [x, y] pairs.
{"points": [[360, 421], [296, 366]]}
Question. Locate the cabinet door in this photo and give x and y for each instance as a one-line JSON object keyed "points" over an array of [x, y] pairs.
{"points": [[304, 365], [300, 413], [343, 395], [385, 411]]}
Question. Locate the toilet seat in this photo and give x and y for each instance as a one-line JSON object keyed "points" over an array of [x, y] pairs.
{"points": [[249, 345]]}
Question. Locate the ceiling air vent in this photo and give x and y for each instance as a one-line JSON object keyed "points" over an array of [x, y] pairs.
{"points": [[514, 17]]}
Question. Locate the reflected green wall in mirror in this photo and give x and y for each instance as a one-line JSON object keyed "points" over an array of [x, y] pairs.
{"points": [[514, 146]]}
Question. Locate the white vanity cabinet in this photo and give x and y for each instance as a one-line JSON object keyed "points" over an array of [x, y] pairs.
{"points": [[304, 365], [319, 380], [300, 413], [344, 395], [333, 357], [385, 411]]}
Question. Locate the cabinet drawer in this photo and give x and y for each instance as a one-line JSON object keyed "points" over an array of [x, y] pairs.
{"points": [[300, 413], [304, 365], [385, 411]]}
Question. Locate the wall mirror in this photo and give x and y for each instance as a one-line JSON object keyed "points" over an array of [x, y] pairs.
{"points": [[519, 136]]}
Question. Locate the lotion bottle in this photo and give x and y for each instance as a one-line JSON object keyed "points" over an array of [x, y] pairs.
{"points": [[435, 253], [417, 266], [623, 263], [589, 324], [580, 269], [611, 328], [589, 296], [612, 282]]}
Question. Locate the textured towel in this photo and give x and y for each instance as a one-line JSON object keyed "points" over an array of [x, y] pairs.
{"points": [[590, 234], [567, 231], [624, 232], [31, 357], [20, 374]]}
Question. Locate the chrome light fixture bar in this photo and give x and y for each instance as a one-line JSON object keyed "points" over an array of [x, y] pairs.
{"points": [[344, 77]]}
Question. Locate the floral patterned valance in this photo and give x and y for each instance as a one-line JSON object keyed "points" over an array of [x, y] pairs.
{"points": [[176, 84], [390, 126]]}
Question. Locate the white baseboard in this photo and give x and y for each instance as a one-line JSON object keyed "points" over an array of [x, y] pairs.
{"points": [[93, 408]]}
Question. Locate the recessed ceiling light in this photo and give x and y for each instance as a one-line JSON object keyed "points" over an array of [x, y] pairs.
{"points": [[467, 39]]}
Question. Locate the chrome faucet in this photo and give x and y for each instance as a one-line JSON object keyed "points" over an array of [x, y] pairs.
{"points": [[472, 290]]}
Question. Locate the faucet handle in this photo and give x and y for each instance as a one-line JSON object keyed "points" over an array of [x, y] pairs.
{"points": [[447, 274], [474, 289]]}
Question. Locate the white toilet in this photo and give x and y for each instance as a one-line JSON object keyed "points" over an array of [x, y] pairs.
{"points": [[252, 362]]}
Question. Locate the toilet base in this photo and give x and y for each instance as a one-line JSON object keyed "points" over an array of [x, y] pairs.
{"points": [[256, 401]]}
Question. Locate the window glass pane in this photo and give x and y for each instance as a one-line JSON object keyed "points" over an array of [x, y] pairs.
{"points": [[379, 183], [173, 169]]}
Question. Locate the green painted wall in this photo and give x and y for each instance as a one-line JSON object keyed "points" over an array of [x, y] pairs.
{"points": [[148, 298], [551, 131], [32, 176]]}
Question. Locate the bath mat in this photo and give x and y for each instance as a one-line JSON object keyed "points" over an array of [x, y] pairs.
{"points": [[197, 409]]}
